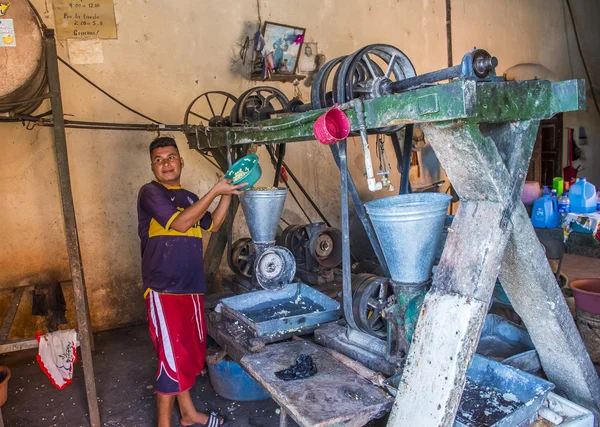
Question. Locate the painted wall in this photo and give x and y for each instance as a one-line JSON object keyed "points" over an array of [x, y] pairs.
{"points": [[166, 54]]}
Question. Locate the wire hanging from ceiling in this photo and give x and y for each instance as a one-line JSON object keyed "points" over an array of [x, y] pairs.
{"points": [[587, 72]]}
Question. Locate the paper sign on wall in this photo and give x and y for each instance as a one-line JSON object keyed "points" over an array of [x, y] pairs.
{"points": [[7, 33], [85, 19]]}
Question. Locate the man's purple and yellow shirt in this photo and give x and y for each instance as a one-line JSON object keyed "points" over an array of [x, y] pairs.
{"points": [[171, 261]]}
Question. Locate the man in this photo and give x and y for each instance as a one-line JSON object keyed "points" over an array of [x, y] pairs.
{"points": [[281, 46], [170, 224]]}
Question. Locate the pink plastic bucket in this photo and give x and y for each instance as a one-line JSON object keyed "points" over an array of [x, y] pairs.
{"points": [[332, 126], [587, 295]]}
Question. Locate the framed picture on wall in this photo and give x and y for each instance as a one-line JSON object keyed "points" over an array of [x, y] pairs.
{"points": [[284, 41]]}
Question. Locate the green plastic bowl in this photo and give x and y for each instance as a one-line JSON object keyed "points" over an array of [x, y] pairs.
{"points": [[251, 171]]}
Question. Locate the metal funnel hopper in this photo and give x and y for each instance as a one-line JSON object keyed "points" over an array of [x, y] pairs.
{"points": [[263, 209], [408, 228]]}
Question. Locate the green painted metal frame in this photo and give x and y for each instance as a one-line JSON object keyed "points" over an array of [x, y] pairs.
{"points": [[465, 100]]}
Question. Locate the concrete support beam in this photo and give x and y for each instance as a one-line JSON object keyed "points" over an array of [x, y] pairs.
{"points": [[469, 267], [534, 294], [427, 388], [492, 235]]}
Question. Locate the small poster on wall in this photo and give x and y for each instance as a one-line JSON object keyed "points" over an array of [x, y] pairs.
{"points": [[7, 33], [85, 19]]}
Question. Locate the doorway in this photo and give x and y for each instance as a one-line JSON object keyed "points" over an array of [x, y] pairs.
{"points": [[546, 160]]}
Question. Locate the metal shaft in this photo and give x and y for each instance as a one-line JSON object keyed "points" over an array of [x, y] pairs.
{"points": [[346, 262], [280, 155], [434, 76], [73, 250], [406, 158]]}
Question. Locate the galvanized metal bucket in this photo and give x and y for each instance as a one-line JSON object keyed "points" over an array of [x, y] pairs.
{"points": [[263, 209], [408, 227]]}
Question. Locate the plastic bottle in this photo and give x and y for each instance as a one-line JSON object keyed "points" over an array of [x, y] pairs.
{"points": [[564, 207], [543, 209], [554, 216], [582, 195], [545, 190]]}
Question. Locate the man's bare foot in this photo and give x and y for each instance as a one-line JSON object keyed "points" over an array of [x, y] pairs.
{"points": [[198, 418]]}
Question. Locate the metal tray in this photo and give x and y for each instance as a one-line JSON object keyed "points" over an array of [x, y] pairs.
{"points": [[500, 387], [501, 339], [297, 308], [498, 395]]}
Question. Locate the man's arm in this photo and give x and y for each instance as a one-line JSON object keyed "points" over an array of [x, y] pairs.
{"points": [[190, 216], [219, 214]]}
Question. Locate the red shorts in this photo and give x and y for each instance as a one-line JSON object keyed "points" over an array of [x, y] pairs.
{"points": [[178, 330]]}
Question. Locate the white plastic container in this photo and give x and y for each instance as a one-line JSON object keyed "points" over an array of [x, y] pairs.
{"points": [[572, 414]]}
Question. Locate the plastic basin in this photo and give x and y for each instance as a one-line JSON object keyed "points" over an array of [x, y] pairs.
{"points": [[587, 295], [247, 169], [4, 377], [231, 382]]}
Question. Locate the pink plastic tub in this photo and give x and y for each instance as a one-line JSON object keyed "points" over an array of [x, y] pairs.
{"points": [[587, 295]]}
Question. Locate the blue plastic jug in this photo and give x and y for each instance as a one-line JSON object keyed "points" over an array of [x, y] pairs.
{"points": [[583, 197], [545, 212]]}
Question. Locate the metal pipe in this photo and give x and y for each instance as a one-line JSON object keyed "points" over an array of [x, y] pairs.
{"points": [[449, 31], [397, 151], [372, 183], [434, 76], [346, 262], [231, 210], [406, 158], [362, 214], [73, 249]]}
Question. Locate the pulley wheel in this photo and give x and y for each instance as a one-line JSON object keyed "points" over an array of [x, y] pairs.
{"points": [[370, 295], [369, 63], [275, 268], [210, 108], [294, 238], [259, 103], [361, 73], [242, 257], [326, 247], [321, 93]]}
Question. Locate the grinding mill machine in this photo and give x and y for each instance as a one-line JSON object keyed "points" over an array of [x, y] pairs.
{"points": [[482, 130], [274, 266]]}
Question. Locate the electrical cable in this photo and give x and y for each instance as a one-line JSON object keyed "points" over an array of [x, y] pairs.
{"points": [[104, 92], [37, 14], [587, 72], [274, 163], [27, 101], [211, 162]]}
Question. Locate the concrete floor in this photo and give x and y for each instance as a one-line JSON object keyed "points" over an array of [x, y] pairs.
{"points": [[125, 366]]}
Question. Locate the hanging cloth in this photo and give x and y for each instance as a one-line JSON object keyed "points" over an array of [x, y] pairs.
{"points": [[57, 353]]}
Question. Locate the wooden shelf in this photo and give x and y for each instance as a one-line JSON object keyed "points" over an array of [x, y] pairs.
{"points": [[285, 78]]}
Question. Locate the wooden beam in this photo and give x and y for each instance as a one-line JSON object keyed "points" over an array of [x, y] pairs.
{"points": [[10, 315]]}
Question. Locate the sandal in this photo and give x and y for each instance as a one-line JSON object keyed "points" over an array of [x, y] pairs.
{"points": [[214, 420]]}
